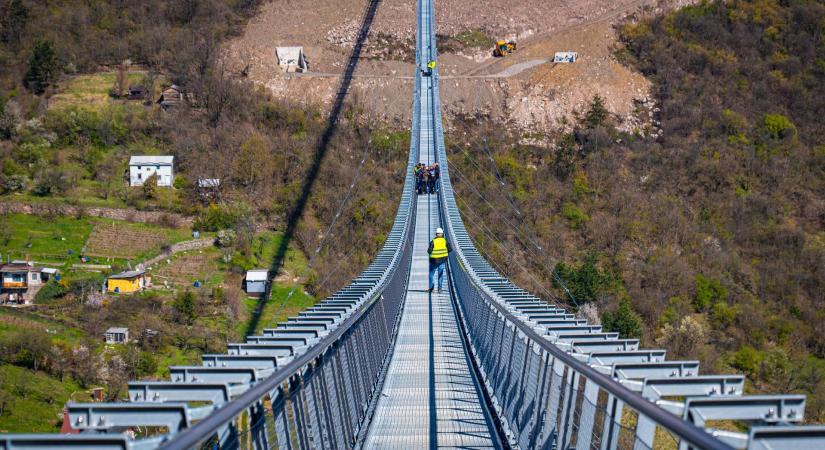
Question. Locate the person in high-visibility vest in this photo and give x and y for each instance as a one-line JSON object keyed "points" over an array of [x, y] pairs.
{"points": [[439, 250]]}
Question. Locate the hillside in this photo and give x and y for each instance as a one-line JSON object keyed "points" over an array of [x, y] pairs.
{"points": [[308, 196], [709, 232]]}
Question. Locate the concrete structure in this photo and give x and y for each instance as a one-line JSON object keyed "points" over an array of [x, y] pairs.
{"points": [[143, 167], [291, 59], [565, 57], [21, 281], [116, 335], [126, 282], [255, 282]]}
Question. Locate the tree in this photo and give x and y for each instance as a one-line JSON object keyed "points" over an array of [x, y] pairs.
{"points": [[121, 82], [184, 306], [585, 282], [42, 69], [597, 114], [624, 320]]}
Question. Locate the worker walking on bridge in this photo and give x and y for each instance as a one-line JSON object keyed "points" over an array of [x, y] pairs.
{"points": [[438, 251]]}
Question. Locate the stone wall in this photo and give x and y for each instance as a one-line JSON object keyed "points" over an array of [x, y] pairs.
{"points": [[129, 215]]}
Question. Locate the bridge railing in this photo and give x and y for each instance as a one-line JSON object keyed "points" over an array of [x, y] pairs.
{"points": [[308, 383], [556, 381]]}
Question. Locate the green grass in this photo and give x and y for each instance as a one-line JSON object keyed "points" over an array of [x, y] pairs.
{"points": [[264, 248], [174, 356], [83, 200], [48, 240], [14, 319], [33, 400], [42, 238], [280, 306], [92, 91]]}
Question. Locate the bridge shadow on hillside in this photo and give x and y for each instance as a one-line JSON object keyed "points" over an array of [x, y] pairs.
{"points": [[312, 174]]}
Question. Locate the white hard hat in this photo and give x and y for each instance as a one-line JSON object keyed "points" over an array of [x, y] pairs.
{"points": [[439, 230]]}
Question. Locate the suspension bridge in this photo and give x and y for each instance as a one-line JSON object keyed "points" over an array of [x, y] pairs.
{"points": [[383, 363]]}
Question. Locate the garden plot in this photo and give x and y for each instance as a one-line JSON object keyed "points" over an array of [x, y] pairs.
{"points": [[128, 241], [185, 268]]}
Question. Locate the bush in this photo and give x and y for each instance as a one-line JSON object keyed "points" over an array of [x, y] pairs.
{"points": [[747, 359], [216, 218], [708, 292], [574, 215], [778, 126], [50, 291]]}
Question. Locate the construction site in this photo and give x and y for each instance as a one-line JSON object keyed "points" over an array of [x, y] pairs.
{"points": [[526, 89]]}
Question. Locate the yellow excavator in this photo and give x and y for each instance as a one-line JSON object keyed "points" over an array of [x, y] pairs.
{"points": [[504, 48]]}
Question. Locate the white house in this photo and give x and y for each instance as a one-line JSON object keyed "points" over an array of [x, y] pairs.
{"points": [[143, 167], [291, 59]]}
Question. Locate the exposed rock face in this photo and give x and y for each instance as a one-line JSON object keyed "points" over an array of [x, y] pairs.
{"points": [[522, 89]]}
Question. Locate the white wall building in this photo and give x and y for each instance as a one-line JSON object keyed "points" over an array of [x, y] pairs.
{"points": [[143, 167]]}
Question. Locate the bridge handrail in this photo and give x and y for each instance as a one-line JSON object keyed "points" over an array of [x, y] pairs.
{"points": [[193, 436], [454, 227]]}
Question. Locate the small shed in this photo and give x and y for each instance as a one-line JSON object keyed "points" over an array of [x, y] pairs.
{"points": [[208, 187], [136, 93], [255, 282], [47, 273], [291, 59], [116, 335], [565, 57], [171, 97], [141, 167], [125, 282]]}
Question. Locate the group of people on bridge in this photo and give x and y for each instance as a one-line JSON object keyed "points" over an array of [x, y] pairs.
{"points": [[426, 178]]}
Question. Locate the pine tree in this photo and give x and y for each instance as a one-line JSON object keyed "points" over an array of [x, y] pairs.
{"points": [[42, 67]]}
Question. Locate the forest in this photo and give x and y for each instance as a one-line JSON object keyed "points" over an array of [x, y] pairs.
{"points": [[704, 232]]}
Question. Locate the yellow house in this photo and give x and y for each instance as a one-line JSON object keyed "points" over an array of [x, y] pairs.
{"points": [[125, 282]]}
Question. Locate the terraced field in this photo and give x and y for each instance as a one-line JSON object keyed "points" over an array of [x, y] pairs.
{"points": [[118, 240], [185, 268]]}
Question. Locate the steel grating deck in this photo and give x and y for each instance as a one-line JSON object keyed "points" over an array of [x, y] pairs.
{"points": [[429, 397]]}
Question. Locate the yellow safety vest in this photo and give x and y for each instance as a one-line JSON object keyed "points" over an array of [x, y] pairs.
{"points": [[439, 248], [431, 64]]}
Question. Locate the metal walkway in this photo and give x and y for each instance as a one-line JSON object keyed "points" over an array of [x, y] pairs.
{"points": [[383, 364], [430, 397]]}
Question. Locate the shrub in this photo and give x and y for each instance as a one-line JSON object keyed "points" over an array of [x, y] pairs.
{"points": [[723, 314], [708, 291], [215, 218], [50, 291], [574, 215], [747, 359], [778, 126]]}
